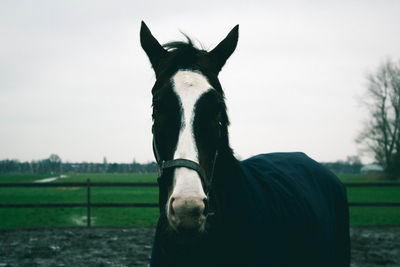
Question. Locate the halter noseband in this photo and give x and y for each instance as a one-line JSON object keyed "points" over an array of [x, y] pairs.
{"points": [[186, 163]]}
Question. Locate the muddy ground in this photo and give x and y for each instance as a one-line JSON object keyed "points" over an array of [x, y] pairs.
{"points": [[75, 247]]}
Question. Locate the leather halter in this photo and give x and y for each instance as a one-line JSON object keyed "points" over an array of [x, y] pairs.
{"points": [[186, 163]]}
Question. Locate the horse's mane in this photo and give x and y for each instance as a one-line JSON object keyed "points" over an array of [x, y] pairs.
{"points": [[184, 55], [182, 45]]}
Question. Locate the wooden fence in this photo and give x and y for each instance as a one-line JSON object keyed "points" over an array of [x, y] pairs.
{"points": [[88, 204]]}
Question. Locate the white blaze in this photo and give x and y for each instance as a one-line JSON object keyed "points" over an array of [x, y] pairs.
{"points": [[189, 86]]}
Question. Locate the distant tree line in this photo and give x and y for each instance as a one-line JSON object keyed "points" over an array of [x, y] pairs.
{"points": [[351, 165], [54, 165]]}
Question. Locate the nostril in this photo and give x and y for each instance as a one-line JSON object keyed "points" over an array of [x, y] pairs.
{"points": [[171, 209], [205, 201]]}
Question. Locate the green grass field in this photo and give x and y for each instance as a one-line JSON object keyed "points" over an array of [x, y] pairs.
{"points": [[134, 217], [363, 216], [67, 217]]}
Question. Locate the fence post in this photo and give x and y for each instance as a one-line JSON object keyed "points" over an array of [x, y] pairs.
{"points": [[88, 203]]}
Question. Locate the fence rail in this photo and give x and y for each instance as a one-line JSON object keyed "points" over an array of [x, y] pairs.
{"points": [[88, 204], [373, 204]]}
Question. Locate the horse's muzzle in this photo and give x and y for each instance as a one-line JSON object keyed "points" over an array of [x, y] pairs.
{"points": [[187, 214]]}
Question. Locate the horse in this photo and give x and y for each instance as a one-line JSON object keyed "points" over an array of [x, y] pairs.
{"points": [[275, 209]]}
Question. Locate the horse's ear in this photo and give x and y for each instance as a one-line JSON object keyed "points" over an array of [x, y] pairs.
{"points": [[225, 48], [151, 46]]}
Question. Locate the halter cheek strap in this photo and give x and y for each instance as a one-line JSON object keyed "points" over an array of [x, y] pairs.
{"points": [[186, 163], [177, 163]]}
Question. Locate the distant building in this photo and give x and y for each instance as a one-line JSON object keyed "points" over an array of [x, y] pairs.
{"points": [[371, 168]]}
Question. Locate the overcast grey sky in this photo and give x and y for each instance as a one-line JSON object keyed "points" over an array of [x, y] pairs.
{"points": [[74, 80]]}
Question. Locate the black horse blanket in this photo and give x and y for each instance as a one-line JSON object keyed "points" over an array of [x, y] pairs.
{"points": [[283, 209]]}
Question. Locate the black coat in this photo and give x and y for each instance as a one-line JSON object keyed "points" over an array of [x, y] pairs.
{"points": [[279, 209]]}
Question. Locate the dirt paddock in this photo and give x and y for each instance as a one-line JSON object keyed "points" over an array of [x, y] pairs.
{"points": [[371, 246]]}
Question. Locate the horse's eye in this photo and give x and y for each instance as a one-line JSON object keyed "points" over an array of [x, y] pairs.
{"points": [[219, 118]]}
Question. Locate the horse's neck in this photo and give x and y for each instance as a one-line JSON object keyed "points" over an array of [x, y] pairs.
{"points": [[227, 168], [229, 179], [232, 212]]}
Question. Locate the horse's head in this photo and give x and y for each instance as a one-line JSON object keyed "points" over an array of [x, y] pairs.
{"points": [[189, 124]]}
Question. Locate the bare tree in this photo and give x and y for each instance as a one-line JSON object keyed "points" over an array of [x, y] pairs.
{"points": [[55, 164], [381, 134]]}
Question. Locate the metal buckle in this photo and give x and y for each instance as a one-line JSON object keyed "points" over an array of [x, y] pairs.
{"points": [[161, 168]]}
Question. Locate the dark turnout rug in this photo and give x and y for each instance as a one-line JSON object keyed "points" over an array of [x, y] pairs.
{"points": [[371, 246]]}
